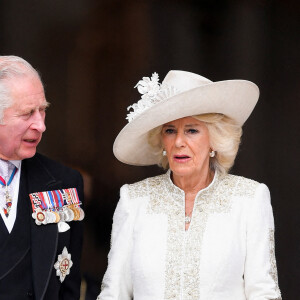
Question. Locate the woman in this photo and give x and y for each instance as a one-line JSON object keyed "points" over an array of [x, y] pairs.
{"points": [[195, 232]]}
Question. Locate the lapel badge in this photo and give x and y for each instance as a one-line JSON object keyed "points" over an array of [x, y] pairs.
{"points": [[63, 265]]}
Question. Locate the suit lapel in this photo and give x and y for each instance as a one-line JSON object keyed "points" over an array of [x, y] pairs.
{"points": [[17, 243], [44, 238]]}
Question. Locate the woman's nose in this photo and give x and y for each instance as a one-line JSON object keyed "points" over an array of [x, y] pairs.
{"points": [[180, 140]]}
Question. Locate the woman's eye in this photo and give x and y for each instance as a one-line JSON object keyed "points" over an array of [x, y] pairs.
{"points": [[169, 131], [192, 131]]}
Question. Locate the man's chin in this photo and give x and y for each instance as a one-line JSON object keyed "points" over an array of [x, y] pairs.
{"points": [[26, 154]]}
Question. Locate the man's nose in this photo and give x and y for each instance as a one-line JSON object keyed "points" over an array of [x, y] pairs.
{"points": [[39, 121]]}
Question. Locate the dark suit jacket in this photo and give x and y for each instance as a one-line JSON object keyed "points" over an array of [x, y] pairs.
{"points": [[45, 242]]}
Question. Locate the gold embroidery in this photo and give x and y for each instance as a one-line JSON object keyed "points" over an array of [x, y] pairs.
{"points": [[169, 200], [273, 269], [137, 190], [215, 199]]}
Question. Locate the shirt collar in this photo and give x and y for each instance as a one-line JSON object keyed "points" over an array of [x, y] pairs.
{"points": [[16, 163]]}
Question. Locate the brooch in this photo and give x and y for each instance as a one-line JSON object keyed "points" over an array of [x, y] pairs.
{"points": [[63, 265]]}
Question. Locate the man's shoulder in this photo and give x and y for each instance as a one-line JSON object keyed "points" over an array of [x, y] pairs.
{"points": [[51, 165]]}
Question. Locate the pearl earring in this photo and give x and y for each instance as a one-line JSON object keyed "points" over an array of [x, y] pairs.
{"points": [[164, 153], [212, 153]]}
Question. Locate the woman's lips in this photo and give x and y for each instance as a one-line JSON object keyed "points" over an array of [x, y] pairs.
{"points": [[182, 158]]}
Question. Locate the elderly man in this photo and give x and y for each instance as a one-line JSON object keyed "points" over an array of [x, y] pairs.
{"points": [[40, 228]]}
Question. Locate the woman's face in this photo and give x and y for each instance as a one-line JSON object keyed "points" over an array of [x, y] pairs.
{"points": [[186, 141]]}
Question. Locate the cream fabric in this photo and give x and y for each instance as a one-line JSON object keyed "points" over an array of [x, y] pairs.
{"points": [[227, 252]]}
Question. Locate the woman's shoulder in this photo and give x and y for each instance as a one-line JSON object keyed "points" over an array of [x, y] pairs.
{"points": [[241, 180], [141, 188], [241, 186]]}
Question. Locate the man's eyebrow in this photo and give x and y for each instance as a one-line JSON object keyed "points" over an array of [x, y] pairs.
{"points": [[29, 108], [47, 104]]}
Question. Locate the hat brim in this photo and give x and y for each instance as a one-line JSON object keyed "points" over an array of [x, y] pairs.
{"points": [[233, 98]]}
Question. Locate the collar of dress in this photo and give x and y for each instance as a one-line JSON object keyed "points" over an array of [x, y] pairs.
{"points": [[179, 195]]}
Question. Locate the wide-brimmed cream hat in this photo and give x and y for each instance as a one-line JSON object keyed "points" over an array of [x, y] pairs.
{"points": [[181, 94]]}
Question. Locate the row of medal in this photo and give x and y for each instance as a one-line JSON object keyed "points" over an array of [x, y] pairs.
{"points": [[56, 206]]}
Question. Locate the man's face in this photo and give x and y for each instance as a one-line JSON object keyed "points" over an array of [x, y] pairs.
{"points": [[24, 122]]}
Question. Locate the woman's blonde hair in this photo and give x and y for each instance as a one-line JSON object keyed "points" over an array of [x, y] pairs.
{"points": [[224, 135]]}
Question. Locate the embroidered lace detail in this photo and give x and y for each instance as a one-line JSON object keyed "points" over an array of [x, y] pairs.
{"points": [[162, 202], [183, 257], [273, 269], [152, 92], [138, 189]]}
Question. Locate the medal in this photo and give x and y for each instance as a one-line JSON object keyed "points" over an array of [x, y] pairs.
{"points": [[8, 198], [40, 216], [70, 214], [75, 211], [56, 206], [62, 216], [51, 217], [63, 265], [57, 217], [81, 212]]}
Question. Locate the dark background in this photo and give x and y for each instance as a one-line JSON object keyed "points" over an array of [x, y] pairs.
{"points": [[91, 53]]}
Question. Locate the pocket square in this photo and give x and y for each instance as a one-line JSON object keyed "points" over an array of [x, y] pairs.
{"points": [[63, 227]]}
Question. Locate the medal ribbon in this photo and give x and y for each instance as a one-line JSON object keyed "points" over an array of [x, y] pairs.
{"points": [[4, 183], [59, 198], [74, 196], [49, 194], [55, 199], [2, 180]]}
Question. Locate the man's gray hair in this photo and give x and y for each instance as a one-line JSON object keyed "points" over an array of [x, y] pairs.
{"points": [[10, 68]]}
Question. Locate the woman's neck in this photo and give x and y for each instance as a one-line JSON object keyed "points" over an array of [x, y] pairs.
{"points": [[194, 183]]}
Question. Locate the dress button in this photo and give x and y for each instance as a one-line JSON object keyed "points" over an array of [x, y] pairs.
{"points": [[29, 294]]}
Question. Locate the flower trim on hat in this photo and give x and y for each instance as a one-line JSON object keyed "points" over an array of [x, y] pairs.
{"points": [[152, 92]]}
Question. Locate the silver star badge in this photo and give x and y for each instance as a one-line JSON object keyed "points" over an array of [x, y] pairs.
{"points": [[63, 265]]}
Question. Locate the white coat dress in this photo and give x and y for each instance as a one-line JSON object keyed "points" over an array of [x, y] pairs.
{"points": [[226, 254]]}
